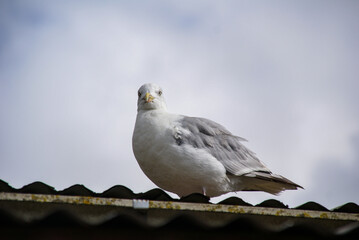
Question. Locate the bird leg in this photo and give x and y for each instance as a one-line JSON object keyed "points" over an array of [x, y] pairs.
{"points": [[204, 191]]}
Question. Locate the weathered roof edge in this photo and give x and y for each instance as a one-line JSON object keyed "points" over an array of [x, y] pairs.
{"points": [[156, 194], [179, 206]]}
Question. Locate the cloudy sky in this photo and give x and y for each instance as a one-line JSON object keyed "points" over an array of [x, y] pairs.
{"points": [[282, 74]]}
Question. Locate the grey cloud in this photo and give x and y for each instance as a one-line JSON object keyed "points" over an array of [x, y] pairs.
{"points": [[282, 75], [335, 181]]}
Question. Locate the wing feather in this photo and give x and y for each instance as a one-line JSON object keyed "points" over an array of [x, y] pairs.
{"points": [[223, 145]]}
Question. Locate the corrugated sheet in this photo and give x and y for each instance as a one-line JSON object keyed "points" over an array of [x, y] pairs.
{"points": [[37, 208], [120, 191]]}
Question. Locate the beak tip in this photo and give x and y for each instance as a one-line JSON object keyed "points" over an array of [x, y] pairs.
{"points": [[148, 98]]}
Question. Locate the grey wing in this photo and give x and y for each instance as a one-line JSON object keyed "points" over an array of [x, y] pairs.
{"points": [[219, 142]]}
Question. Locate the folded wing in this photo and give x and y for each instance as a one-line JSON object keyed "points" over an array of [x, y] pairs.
{"points": [[237, 159]]}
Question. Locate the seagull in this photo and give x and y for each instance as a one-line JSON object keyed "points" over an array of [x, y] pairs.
{"points": [[186, 155]]}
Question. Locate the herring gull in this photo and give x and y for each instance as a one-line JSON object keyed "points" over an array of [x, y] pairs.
{"points": [[187, 155]]}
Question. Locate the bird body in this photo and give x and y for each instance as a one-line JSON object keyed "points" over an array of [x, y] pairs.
{"points": [[188, 155], [179, 169]]}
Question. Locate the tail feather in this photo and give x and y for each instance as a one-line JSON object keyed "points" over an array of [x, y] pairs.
{"points": [[263, 181]]}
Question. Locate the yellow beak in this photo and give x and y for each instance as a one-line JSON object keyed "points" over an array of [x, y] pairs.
{"points": [[148, 97]]}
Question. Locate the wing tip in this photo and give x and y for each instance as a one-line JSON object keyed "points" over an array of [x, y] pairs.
{"points": [[268, 182]]}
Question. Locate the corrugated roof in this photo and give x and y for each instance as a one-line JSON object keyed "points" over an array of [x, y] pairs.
{"points": [[120, 191], [38, 205]]}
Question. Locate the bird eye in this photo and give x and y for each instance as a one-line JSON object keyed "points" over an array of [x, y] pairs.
{"points": [[139, 94], [160, 92]]}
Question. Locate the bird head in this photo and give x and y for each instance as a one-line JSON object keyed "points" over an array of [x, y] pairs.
{"points": [[150, 97]]}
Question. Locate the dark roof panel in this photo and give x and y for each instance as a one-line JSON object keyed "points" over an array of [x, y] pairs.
{"points": [[350, 231], [77, 190], [303, 231], [184, 222], [312, 206], [8, 219], [5, 187], [118, 191], [272, 203], [196, 198], [37, 188], [179, 224], [59, 219], [348, 208], [126, 221], [234, 201], [154, 194]]}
